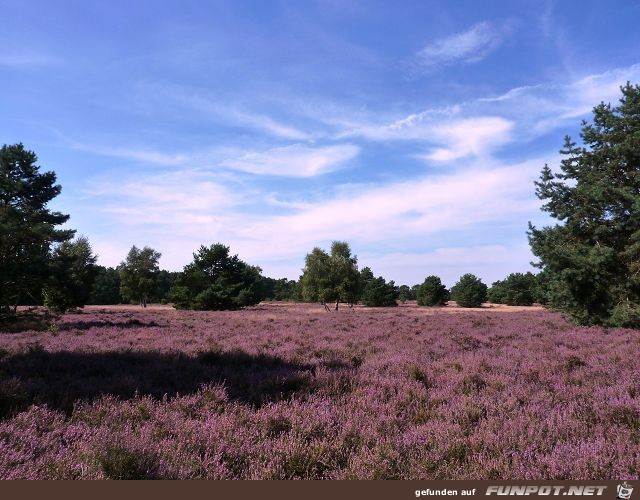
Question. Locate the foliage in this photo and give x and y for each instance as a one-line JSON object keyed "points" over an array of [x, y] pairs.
{"points": [[138, 274], [432, 292], [592, 256], [469, 291], [378, 293], [27, 227], [315, 279], [517, 289], [216, 280], [72, 273], [164, 282], [405, 292], [106, 287], [280, 289], [329, 277]]}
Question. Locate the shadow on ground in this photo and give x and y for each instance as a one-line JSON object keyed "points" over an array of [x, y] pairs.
{"points": [[59, 379], [86, 325]]}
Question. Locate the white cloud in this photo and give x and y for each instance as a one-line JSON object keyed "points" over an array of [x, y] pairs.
{"points": [[398, 212], [149, 156], [416, 126], [451, 135], [172, 199], [177, 212], [294, 161], [540, 108], [261, 122], [470, 137], [225, 113], [25, 58], [180, 211], [477, 127], [468, 46]]}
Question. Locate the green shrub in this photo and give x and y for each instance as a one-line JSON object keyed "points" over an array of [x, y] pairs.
{"points": [[216, 280], [469, 291], [517, 289], [379, 293], [432, 292]]}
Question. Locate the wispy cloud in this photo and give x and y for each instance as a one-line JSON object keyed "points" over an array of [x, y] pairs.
{"points": [[180, 211], [450, 134], [396, 213], [476, 190], [416, 126], [148, 156], [224, 113], [297, 160], [179, 199], [468, 46], [25, 58], [540, 108], [478, 126], [470, 137]]}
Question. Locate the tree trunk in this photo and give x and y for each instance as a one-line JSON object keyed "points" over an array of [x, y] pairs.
{"points": [[337, 302]]}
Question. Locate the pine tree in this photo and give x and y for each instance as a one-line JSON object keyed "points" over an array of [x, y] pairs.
{"points": [[217, 280], [469, 291], [591, 258], [432, 292], [378, 293], [71, 277], [27, 227]]}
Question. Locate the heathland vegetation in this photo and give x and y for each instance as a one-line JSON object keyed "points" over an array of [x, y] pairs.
{"points": [[287, 391], [232, 377]]}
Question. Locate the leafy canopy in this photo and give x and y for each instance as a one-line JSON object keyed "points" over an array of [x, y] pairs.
{"points": [[517, 289], [27, 226], [378, 293], [432, 292], [591, 258], [331, 277], [405, 292], [72, 273], [469, 291], [216, 280], [138, 274], [106, 287]]}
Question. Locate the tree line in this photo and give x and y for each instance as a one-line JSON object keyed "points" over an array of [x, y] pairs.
{"points": [[589, 260]]}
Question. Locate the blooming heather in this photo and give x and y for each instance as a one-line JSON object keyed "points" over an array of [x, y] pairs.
{"points": [[284, 391]]}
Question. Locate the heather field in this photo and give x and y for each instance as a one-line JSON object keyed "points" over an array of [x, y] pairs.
{"points": [[288, 391]]}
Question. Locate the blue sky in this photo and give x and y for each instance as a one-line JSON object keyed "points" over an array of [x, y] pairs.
{"points": [[413, 130]]}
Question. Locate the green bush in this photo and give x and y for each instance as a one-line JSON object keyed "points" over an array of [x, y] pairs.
{"points": [[469, 291], [216, 280], [517, 289], [432, 292], [625, 314], [378, 293]]}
